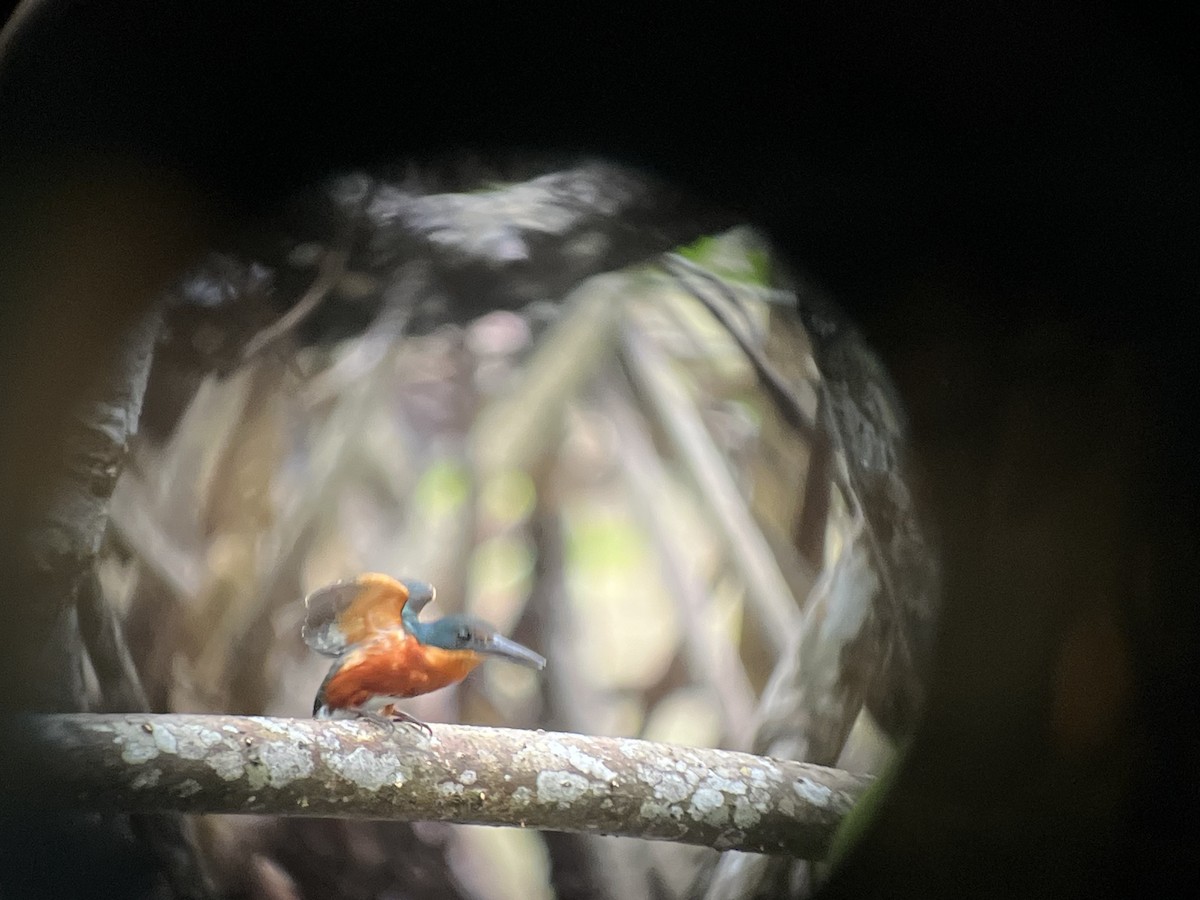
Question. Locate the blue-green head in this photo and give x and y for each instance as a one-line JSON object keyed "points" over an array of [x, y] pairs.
{"points": [[461, 632]]}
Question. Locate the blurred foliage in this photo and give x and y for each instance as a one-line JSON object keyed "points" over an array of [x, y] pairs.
{"points": [[738, 256], [605, 480]]}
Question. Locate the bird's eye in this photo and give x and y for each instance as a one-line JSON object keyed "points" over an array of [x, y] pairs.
{"points": [[464, 634]]}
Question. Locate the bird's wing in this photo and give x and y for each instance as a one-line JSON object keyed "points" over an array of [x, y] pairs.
{"points": [[351, 611]]}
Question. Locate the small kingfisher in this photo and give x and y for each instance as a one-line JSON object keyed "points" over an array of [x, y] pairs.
{"points": [[383, 653]]}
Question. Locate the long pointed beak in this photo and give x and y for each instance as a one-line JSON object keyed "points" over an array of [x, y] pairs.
{"points": [[498, 645]]}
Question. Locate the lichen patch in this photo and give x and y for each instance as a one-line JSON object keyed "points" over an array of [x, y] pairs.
{"points": [[187, 787], [450, 789], [137, 745], [257, 774], [560, 787], [369, 770], [629, 749], [584, 762], [285, 762], [722, 782], [811, 792], [745, 815], [163, 739], [672, 788], [660, 811], [145, 779], [227, 764], [194, 742], [709, 806]]}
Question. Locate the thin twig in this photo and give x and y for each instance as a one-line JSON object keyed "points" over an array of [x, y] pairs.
{"points": [[809, 532], [713, 657], [103, 636], [768, 591], [615, 869], [332, 267], [134, 516], [785, 397], [514, 429]]}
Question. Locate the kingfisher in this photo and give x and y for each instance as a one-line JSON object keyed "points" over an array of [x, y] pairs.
{"points": [[384, 653]]}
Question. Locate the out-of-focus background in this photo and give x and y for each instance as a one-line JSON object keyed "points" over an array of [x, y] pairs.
{"points": [[1004, 198], [635, 476]]}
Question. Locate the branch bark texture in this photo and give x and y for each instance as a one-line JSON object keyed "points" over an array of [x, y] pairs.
{"points": [[489, 776]]}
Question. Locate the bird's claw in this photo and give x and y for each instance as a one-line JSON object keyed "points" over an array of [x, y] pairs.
{"points": [[394, 716], [397, 716]]}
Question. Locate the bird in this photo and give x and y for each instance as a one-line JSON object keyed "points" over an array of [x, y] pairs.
{"points": [[384, 653]]}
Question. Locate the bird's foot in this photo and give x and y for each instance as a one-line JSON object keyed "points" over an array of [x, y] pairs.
{"points": [[400, 716], [389, 717]]}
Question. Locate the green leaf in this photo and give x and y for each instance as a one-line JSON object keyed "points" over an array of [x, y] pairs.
{"points": [[865, 812]]}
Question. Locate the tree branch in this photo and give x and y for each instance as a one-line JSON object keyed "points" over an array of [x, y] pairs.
{"points": [[552, 781]]}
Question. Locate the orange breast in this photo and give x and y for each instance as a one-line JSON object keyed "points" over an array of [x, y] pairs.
{"points": [[394, 664]]}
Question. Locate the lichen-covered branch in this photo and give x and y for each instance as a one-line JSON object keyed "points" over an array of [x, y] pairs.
{"points": [[559, 782]]}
